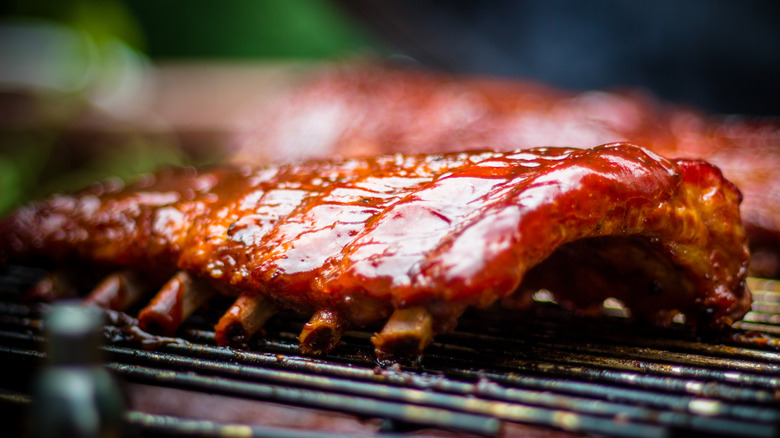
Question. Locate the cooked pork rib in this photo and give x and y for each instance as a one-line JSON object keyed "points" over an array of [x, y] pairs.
{"points": [[413, 238], [368, 110]]}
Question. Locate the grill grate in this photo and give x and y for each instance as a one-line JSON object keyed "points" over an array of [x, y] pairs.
{"points": [[545, 372]]}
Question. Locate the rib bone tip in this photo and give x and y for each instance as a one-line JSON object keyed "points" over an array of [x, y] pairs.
{"points": [[118, 291], [179, 298], [323, 332], [244, 319], [406, 334]]}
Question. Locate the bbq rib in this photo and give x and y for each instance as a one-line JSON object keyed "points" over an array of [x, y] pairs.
{"points": [[367, 110], [413, 238]]}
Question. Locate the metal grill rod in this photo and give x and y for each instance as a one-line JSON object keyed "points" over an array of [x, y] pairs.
{"points": [[689, 352], [500, 410], [644, 363], [472, 405], [164, 425], [703, 389], [589, 367], [679, 385], [318, 399], [416, 414], [447, 385], [697, 382]]}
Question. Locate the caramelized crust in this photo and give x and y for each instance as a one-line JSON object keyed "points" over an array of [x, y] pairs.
{"points": [[359, 239]]}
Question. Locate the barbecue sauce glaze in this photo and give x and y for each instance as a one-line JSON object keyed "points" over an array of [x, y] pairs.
{"points": [[363, 237]]}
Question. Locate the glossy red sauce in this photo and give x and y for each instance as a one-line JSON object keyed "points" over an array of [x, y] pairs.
{"points": [[403, 230]]}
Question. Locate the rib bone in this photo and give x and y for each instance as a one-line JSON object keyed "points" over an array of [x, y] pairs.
{"points": [[175, 301], [118, 291], [406, 333], [245, 317], [323, 332]]}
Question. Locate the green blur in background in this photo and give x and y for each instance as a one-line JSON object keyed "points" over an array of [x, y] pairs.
{"points": [[38, 153], [312, 29], [247, 29]]}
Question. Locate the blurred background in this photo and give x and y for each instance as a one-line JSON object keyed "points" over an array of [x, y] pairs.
{"points": [[95, 88]]}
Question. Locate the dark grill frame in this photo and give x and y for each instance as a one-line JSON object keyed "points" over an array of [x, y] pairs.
{"points": [[546, 368]]}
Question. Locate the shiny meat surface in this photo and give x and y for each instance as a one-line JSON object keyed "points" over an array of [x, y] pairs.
{"points": [[416, 238], [368, 110]]}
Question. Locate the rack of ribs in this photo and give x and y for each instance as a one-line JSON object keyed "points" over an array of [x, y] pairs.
{"points": [[410, 239], [363, 110]]}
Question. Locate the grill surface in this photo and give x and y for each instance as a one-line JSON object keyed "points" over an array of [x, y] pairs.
{"points": [[540, 373]]}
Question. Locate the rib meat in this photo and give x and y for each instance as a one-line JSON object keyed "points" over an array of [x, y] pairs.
{"points": [[366, 110], [413, 238]]}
